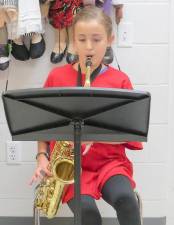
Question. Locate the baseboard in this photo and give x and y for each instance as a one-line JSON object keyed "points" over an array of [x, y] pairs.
{"points": [[69, 221]]}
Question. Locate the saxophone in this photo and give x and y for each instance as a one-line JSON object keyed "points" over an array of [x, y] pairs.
{"points": [[50, 191]]}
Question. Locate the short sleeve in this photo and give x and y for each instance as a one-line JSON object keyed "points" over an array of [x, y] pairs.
{"points": [[47, 83], [131, 145], [49, 80], [127, 83]]}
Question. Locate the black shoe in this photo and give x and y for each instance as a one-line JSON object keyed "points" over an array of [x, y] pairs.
{"points": [[4, 59], [71, 58], [37, 49], [109, 56], [20, 52], [57, 57]]}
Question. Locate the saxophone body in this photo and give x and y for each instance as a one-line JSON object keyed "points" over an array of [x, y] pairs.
{"points": [[50, 191]]}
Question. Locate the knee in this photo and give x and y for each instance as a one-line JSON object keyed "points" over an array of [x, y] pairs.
{"points": [[90, 215], [127, 203]]}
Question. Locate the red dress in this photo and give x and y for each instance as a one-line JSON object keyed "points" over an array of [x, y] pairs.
{"points": [[103, 160], [61, 13]]}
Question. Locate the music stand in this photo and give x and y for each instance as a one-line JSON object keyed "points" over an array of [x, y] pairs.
{"points": [[88, 114]]}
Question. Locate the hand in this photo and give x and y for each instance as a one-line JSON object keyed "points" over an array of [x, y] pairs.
{"points": [[118, 13], [42, 167]]}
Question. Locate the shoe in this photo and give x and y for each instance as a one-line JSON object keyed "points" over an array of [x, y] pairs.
{"points": [[4, 59], [4, 63], [71, 58], [37, 49], [99, 3], [20, 52], [109, 56], [57, 57]]}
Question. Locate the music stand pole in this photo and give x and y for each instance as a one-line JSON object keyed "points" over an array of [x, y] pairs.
{"points": [[77, 171]]}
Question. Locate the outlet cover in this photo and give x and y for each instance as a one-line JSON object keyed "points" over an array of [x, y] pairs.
{"points": [[125, 34], [13, 150]]}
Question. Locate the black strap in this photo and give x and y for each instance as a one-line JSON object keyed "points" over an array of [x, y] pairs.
{"points": [[94, 74]]}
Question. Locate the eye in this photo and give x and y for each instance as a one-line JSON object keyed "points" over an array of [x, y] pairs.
{"points": [[82, 40], [97, 40]]}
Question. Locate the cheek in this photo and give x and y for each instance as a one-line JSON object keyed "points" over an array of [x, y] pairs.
{"points": [[102, 50]]}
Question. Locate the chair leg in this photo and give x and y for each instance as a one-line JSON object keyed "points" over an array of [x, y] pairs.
{"points": [[36, 213], [140, 205]]}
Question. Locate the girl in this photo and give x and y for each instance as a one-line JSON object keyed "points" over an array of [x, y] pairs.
{"points": [[106, 170]]}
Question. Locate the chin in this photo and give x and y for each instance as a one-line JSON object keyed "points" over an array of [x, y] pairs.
{"points": [[96, 64]]}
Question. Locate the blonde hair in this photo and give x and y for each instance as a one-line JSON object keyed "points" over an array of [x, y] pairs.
{"points": [[94, 13]]}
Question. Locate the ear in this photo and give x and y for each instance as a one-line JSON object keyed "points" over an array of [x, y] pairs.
{"points": [[110, 40]]}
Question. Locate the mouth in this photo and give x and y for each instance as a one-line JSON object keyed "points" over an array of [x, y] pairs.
{"points": [[89, 56]]}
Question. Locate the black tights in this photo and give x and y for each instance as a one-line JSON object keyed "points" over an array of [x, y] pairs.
{"points": [[118, 193]]}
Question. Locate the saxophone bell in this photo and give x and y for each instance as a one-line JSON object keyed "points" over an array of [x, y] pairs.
{"points": [[50, 191]]}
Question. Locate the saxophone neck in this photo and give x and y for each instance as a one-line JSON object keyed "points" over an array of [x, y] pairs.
{"points": [[88, 71]]}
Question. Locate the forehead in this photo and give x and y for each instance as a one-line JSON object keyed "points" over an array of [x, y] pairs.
{"points": [[89, 27]]}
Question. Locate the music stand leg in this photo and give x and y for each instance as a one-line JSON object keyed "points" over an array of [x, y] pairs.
{"points": [[77, 171]]}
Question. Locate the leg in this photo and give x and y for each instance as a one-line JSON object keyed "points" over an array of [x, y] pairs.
{"points": [[4, 53], [71, 57], [44, 8], [10, 9], [118, 192], [60, 45], [70, 40], [90, 212], [3, 17]]}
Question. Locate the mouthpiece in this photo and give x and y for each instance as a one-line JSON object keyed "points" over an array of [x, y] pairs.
{"points": [[88, 61]]}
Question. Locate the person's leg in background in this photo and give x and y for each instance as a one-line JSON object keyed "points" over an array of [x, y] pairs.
{"points": [[118, 192], [90, 212], [4, 51]]}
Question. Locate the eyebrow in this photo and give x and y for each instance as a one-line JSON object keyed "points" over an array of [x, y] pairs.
{"points": [[94, 35]]}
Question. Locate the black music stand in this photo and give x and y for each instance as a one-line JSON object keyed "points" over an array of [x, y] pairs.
{"points": [[88, 114]]}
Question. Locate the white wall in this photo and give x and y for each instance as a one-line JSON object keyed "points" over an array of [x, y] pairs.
{"points": [[147, 64], [170, 177]]}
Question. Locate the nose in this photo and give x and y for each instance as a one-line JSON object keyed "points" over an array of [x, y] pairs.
{"points": [[89, 45]]}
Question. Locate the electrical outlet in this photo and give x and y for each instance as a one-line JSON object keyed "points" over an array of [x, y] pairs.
{"points": [[13, 150], [125, 34]]}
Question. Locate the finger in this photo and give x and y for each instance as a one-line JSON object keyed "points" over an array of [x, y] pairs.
{"points": [[48, 172], [32, 180], [40, 176]]}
